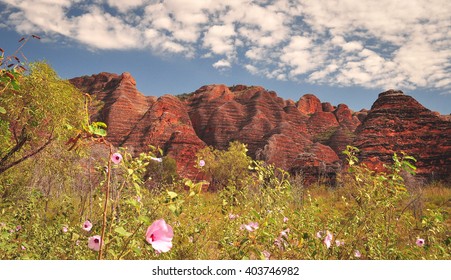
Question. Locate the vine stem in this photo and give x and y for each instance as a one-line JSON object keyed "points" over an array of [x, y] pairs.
{"points": [[115, 205], [124, 248], [105, 206]]}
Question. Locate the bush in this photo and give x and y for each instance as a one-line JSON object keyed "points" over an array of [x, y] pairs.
{"points": [[44, 109], [228, 168]]}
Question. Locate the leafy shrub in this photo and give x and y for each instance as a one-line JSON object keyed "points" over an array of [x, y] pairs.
{"points": [[228, 168], [41, 111]]}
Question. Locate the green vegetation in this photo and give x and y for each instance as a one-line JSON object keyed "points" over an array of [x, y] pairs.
{"points": [[226, 168], [184, 96], [325, 135], [370, 216], [44, 109]]}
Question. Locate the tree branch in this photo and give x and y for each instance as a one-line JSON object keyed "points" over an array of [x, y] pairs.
{"points": [[5, 167]]}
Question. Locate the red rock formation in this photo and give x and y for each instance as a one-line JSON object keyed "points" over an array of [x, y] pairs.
{"points": [[345, 117], [317, 162], [309, 104], [121, 105], [275, 130], [327, 107], [398, 123], [321, 124], [305, 136], [339, 139], [361, 115], [333, 126], [136, 121], [251, 115]]}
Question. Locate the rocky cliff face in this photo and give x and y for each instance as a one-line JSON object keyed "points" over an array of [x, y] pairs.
{"points": [[305, 136], [136, 121], [398, 123], [291, 135]]}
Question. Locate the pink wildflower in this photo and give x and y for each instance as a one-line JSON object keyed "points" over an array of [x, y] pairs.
{"points": [[94, 242], [285, 219], [266, 254], [328, 239], [420, 242], [18, 228], [116, 158], [64, 229], [250, 226], [320, 234], [23, 247], [87, 225], [201, 163], [233, 216], [280, 242], [339, 243], [357, 254], [284, 233], [159, 235]]}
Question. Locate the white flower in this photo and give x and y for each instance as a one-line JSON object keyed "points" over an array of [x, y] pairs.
{"points": [[156, 159]]}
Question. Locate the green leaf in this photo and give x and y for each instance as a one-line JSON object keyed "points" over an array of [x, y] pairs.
{"points": [[132, 202], [2, 110], [144, 219], [99, 124], [15, 85], [255, 213], [97, 131], [410, 158], [172, 195], [113, 253], [122, 232], [413, 167], [137, 251], [173, 208], [98, 128], [75, 237]]}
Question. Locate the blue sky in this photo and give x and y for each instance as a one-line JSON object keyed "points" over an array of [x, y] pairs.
{"points": [[342, 51]]}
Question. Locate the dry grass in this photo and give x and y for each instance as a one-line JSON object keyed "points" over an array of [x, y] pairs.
{"points": [[438, 196]]}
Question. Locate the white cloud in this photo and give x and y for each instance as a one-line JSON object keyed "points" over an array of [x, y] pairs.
{"points": [[252, 69], [222, 64], [125, 6], [158, 17], [102, 30], [421, 62], [374, 44], [36, 16], [352, 46], [300, 56], [218, 39], [319, 75]]}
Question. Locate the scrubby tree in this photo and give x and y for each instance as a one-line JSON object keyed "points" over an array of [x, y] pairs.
{"points": [[226, 167], [42, 110]]}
